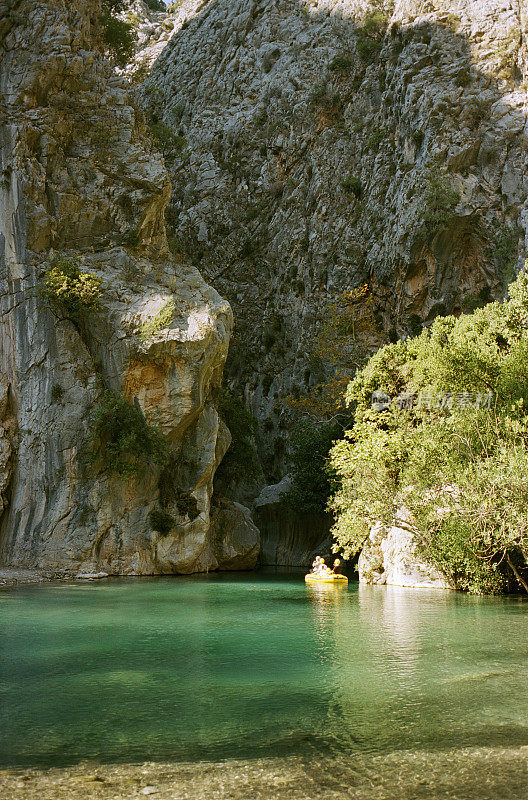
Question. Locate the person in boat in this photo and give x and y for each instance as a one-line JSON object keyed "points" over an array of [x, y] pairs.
{"points": [[336, 568], [319, 567], [316, 564]]}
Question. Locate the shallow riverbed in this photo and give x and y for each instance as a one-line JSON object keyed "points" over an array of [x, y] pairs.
{"points": [[239, 685]]}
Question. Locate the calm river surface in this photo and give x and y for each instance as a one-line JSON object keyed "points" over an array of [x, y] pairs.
{"points": [[255, 666]]}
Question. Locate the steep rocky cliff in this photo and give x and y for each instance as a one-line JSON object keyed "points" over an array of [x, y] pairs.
{"points": [[323, 145], [79, 175], [312, 147]]}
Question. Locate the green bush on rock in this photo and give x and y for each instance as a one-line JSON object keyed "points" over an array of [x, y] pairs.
{"points": [[156, 5], [352, 185], [453, 449], [67, 288], [342, 64], [118, 36], [122, 439], [161, 521], [369, 36], [167, 140], [312, 477], [440, 200], [158, 322]]}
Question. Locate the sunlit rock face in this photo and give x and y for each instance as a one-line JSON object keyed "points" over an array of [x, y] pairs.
{"points": [[391, 557], [305, 164], [80, 175]]}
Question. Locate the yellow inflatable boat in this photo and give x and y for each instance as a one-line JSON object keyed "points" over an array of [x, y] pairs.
{"points": [[330, 578]]}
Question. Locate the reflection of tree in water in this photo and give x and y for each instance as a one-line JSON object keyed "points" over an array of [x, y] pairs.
{"points": [[374, 646]]}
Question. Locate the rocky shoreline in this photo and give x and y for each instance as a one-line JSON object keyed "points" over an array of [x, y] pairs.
{"points": [[471, 774], [19, 577]]}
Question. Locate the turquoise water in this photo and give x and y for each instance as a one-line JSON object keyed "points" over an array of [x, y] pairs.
{"points": [[244, 666]]}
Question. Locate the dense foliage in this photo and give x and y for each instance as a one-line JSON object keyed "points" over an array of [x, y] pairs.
{"points": [[452, 446], [122, 439], [69, 289], [311, 474], [118, 36]]}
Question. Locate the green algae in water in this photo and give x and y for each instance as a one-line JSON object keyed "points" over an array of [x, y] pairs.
{"points": [[210, 668]]}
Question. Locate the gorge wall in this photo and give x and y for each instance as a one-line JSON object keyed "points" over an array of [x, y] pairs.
{"points": [[79, 175], [307, 148], [328, 144]]}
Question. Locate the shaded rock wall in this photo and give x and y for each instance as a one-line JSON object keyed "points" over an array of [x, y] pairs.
{"points": [[308, 148], [79, 174], [289, 538]]}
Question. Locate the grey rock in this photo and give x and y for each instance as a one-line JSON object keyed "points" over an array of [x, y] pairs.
{"points": [[81, 175], [390, 557], [234, 538], [274, 493]]}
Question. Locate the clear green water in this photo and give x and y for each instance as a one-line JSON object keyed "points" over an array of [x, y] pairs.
{"points": [[251, 665]]}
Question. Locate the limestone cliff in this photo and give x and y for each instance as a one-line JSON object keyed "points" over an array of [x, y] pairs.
{"points": [[79, 175], [312, 147], [322, 145], [326, 144]]}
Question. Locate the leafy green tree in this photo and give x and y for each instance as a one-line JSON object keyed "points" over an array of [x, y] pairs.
{"points": [[453, 450], [312, 475], [118, 36]]}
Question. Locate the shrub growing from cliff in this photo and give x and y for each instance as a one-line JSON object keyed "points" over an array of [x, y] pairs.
{"points": [[167, 140], [313, 478], [439, 203], [453, 449], [369, 37], [156, 5], [503, 247], [352, 185], [122, 439], [158, 322], [161, 521], [343, 64], [67, 288], [118, 36]]}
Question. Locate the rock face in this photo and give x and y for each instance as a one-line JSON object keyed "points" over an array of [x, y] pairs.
{"points": [[390, 557], [288, 539], [322, 146], [327, 144], [310, 148], [234, 538], [80, 175]]}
